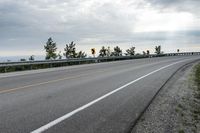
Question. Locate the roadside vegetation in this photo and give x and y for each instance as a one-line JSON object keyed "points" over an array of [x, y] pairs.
{"points": [[189, 107], [70, 52], [196, 110]]}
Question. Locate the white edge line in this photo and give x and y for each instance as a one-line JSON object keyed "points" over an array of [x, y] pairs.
{"points": [[62, 118]]}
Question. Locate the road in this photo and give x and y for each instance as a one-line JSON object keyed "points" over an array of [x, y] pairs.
{"points": [[92, 98]]}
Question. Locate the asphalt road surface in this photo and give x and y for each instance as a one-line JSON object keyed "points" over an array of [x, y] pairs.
{"points": [[93, 98]]}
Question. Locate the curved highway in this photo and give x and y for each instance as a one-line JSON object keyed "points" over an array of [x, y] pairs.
{"points": [[92, 98]]}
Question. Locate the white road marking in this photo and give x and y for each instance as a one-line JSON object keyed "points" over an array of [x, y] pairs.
{"points": [[53, 123]]}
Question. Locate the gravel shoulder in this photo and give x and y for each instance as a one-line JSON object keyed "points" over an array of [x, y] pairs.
{"points": [[176, 109]]}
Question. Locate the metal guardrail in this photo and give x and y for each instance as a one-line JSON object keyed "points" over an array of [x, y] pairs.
{"points": [[4, 64], [65, 62], [97, 59]]}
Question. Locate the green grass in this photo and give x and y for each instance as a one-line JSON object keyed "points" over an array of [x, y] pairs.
{"points": [[181, 131], [197, 95], [196, 106], [197, 77], [190, 114]]}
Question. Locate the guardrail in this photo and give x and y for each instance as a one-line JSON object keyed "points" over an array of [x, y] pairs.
{"points": [[29, 65]]}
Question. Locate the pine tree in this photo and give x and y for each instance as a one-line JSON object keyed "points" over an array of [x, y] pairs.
{"points": [[70, 50], [158, 49], [117, 51], [102, 52], [31, 58], [81, 54], [130, 51], [148, 52], [50, 48]]}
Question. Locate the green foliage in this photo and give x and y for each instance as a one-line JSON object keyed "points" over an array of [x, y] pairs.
{"points": [[81, 54], [50, 48], [117, 51], [103, 52], [130, 51], [158, 49], [181, 131], [70, 50], [148, 52], [145, 52], [197, 77], [22, 59], [31, 58]]}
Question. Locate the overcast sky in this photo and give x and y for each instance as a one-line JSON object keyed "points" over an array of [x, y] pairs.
{"points": [[25, 25]]}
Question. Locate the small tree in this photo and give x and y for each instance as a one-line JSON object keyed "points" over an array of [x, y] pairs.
{"points": [[70, 50], [117, 51], [102, 52], [31, 58], [22, 59], [148, 52], [144, 53], [81, 54], [130, 51], [50, 48], [158, 49]]}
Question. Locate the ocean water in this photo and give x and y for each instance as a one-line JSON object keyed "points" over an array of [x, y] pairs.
{"points": [[17, 58]]}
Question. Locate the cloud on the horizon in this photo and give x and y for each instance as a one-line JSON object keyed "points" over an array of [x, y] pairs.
{"points": [[178, 5], [25, 25]]}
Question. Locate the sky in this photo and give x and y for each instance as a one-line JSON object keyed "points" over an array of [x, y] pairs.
{"points": [[25, 25]]}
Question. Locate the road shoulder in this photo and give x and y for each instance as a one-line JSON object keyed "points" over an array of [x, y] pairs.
{"points": [[173, 111]]}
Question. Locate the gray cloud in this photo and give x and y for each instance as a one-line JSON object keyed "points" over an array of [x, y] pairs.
{"points": [[26, 24], [179, 5]]}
